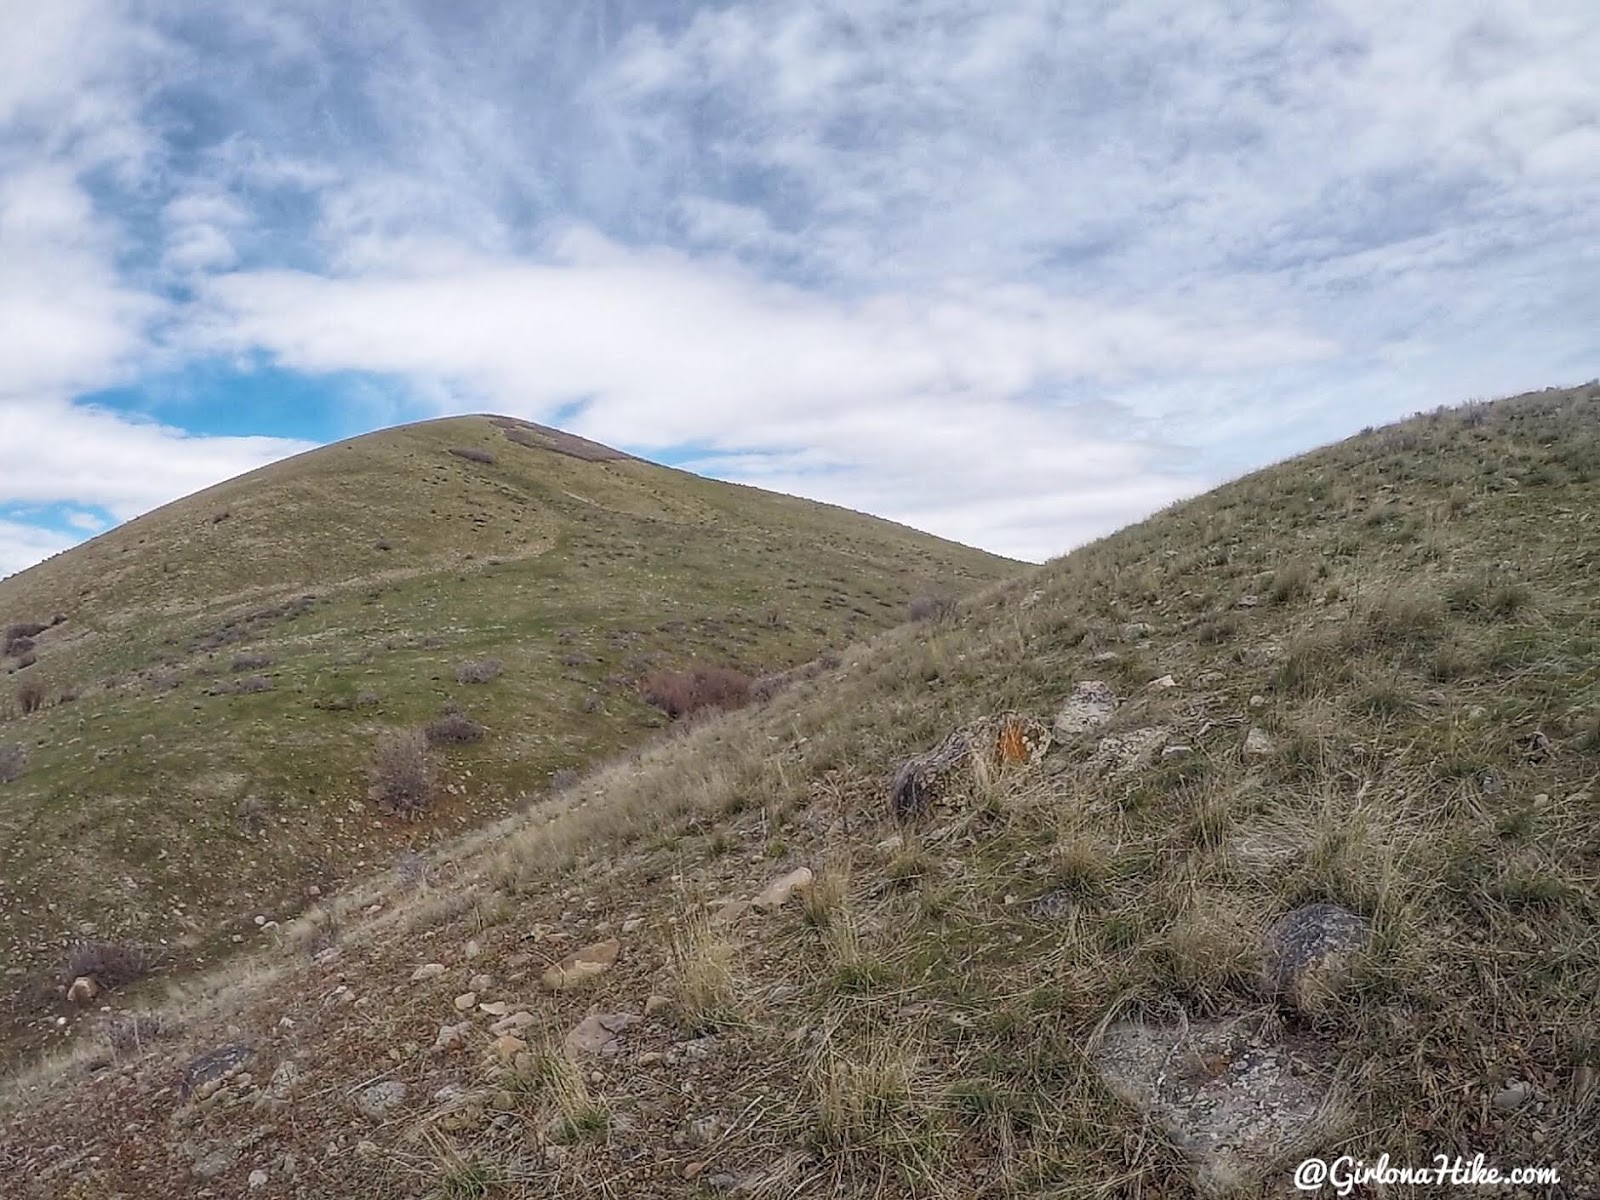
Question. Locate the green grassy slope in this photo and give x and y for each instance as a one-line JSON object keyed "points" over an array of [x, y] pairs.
{"points": [[166, 799], [1383, 663]]}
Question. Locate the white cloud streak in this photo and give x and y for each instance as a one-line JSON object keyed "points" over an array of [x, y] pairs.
{"points": [[1013, 272]]}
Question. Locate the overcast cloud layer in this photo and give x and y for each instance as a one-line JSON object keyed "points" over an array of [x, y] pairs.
{"points": [[1016, 273]]}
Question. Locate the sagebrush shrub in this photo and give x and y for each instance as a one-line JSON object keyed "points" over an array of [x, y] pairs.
{"points": [[402, 773], [932, 608], [683, 693], [454, 729], [13, 759], [473, 454], [30, 696], [481, 671], [110, 964]]}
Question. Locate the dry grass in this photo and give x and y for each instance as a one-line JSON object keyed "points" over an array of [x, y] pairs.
{"points": [[944, 990], [702, 969]]}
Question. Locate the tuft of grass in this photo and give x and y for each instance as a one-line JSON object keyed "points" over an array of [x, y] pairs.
{"points": [[702, 966], [1291, 582], [1404, 619], [828, 895], [578, 1116]]}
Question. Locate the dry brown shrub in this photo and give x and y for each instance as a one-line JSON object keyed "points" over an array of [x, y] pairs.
{"points": [[684, 693]]}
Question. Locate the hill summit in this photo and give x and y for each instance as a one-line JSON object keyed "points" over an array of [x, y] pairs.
{"points": [[195, 703], [1264, 829]]}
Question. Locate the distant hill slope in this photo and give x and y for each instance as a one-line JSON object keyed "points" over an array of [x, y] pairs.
{"points": [[1263, 829], [212, 677]]}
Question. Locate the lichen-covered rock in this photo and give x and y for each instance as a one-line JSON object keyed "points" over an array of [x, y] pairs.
{"points": [[1090, 706], [1120, 753], [1005, 740], [1310, 950], [380, 1099], [1258, 743], [1234, 1098]]}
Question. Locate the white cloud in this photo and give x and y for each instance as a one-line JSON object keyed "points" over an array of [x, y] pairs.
{"points": [[1009, 271], [22, 545], [902, 390], [53, 451], [68, 319]]}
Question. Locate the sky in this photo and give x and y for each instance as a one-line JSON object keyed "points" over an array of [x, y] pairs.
{"points": [[1015, 273]]}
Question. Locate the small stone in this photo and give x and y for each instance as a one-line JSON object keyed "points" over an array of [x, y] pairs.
{"points": [[507, 1046], [1258, 701], [451, 1036], [465, 1001], [258, 1178], [1166, 681], [583, 965], [1176, 751], [1248, 600], [1512, 1097], [495, 1008], [427, 971], [480, 983], [1136, 631], [380, 1098], [693, 1170], [655, 1004], [596, 1032], [649, 1058], [520, 1019], [83, 989], [471, 950], [632, 924], [778, 892], [1258, 743], [209, 1166]]}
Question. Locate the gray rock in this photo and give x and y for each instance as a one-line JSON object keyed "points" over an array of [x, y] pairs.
{"points": [[1310, 950], [1235, 1101], [1512, 1097], [378, 1100], [597, 1033], [214, 1064], [1090, 706], [214, 1163], [1258, 743], [1053, 906], [1120, 753]]}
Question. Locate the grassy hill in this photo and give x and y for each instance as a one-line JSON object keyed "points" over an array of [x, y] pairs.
{"points": [[1013, 904], [205, 697]]}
